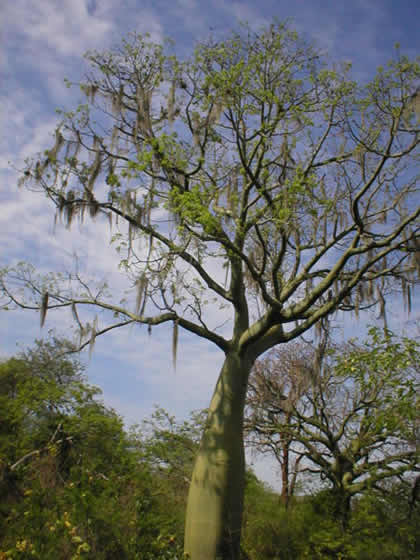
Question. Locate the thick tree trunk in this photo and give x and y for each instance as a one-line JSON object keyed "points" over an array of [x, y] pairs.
{"points": [[342, 506], [215, 500]]}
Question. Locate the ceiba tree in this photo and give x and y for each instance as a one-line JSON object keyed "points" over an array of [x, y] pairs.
{"points": [[349, 411], [254, 155]]}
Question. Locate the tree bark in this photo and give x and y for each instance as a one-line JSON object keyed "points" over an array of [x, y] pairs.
{"points": [[285, 493], [215, 500], [342, 506]]}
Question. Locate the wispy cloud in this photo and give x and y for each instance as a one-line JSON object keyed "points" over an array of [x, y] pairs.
{"points": [[68, 29]]}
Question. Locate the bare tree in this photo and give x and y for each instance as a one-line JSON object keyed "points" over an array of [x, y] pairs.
{"points": [[277, 385]]}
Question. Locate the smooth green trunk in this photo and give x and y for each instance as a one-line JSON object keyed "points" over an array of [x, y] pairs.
{"points": [[215, 500]]}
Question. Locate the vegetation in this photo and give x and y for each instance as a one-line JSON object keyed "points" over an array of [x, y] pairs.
{"points": [[76, 485], [253, 154], [349, 415]]}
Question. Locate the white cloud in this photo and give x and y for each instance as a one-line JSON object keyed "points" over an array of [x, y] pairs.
{"points": [[245, 12], [68, 30]]}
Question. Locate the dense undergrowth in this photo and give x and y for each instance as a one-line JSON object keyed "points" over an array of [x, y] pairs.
{"points": [[75, 484]]}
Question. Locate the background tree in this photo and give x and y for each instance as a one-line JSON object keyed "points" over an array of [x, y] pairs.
{"points": [[277, 385], [169, 447], [254, 154], [355, 423], [37, 391]]}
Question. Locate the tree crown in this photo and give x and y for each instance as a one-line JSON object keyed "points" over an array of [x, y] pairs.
{"points": [[251, 155]]}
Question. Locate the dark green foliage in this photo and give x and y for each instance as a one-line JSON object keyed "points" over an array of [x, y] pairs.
{"points": [[379, 528], [73, 483]]}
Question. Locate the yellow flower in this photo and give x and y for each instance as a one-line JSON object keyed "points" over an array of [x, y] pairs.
{"points": [[21, 545], [77, 539]]}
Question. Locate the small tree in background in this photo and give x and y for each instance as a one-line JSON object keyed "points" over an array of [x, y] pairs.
{"points": [[251, 154], [37, 390], [169, 446], [277, 386], [355, 421]]}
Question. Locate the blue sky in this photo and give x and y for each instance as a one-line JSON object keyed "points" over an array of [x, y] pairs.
{"points": [[43, 42]]}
